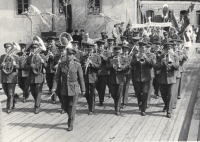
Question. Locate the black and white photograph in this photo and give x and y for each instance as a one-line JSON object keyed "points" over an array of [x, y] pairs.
{"points": [[99, 70]]}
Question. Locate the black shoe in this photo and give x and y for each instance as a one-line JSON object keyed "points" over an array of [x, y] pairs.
{"points": [[168, 115], [24, 100], [70, 128], [117, 113], [100, 104], [62, 111], [90, 113], [147, 107], [53, 102], [8, 111], [156, 97], [143, 113], [164, 109], [36, 111], [123, 106], [179, 97]]}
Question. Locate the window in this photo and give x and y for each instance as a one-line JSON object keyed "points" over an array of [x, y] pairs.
{"points": [[62, 5], [22, 5], [93, 7], [149, 13]]}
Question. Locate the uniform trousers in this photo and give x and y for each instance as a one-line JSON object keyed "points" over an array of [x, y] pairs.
{"points": [[116, 91], [58, 93], [69, 106], [125, 90], [166, 93], [150, 92], [49, 79], [24, 85], [180, 85], [36, 91], [9, 89], [90, 95], [156, 86], [175, 92], [141, 91], [103, 80]]}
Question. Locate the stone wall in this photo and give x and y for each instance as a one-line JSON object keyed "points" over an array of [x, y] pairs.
{"points": [[17, 28], [117, 10], [177, 6]]}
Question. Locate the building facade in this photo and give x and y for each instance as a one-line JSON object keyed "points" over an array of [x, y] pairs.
{"points": [[152, 8]]}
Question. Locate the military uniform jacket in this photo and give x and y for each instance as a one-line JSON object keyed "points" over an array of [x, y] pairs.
{"points": [[117, 77], [167, 76], [91, 76], [71, 76], [152, 56], [103, 70], [48, 64], [9, 78], [128, 34], [21, 71], [166, 40], [34, 78], [154, 38], [142, 72], [78, 55]]}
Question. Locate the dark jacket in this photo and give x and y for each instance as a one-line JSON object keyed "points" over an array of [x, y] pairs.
{"points": [[13, 76], [91, 75], [143, 72], [117, 77], [103, 70], [167, 75], [34, 78]]}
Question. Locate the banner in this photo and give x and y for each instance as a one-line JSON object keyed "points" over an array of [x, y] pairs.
{"points": [[152, 24]]}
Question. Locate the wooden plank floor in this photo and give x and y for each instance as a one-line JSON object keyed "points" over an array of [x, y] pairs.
{"points": [[50, 126]]}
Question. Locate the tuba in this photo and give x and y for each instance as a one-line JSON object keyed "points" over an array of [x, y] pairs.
{"points": [[36, 59], [8, 60], [66, 39]]}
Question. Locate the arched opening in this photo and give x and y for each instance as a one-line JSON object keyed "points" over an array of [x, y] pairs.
{"points": [[149, 13], [182, 13], [197, 18]]}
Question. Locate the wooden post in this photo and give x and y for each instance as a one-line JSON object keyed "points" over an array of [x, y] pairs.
{"points": [[66, 3], [53, 12]]}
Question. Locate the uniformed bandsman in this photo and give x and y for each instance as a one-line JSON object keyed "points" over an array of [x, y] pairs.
{"points": [[71, 74], [35, 64], [156, 85], [128, 76], [142, 76], [103, 74], [117, 65], [9, 77], [61, 57], [51, 51], [79, 53], [23, 74], [104, 37], [152, 56], [91, 63], [168, 63], [110, 44], [123, 40], [182, 70], [166, 38]]}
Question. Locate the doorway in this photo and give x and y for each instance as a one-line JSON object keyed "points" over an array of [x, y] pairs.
{"points": [[197, 18], [182, 13], [149, 13]]}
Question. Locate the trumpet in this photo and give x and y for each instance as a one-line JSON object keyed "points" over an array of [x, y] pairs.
{"points": [[87, 63], [169, 59]]}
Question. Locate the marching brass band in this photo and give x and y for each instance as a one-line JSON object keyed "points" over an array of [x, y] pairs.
{"points": [[154, 67]]}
